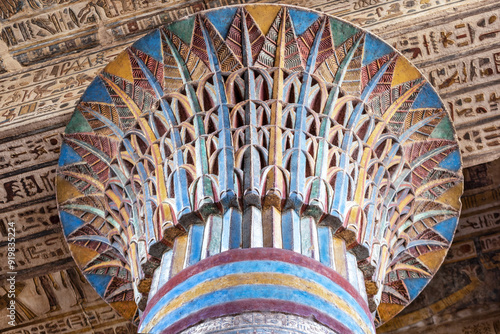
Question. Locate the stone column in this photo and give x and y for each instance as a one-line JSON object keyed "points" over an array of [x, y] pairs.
{"points": [[259, 162]]}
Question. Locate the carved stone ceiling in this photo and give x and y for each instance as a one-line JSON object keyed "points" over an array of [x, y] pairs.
{"points": [[51, 49]]}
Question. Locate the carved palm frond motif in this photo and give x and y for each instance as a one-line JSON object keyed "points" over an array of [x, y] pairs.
{"points": [[229, 130]]}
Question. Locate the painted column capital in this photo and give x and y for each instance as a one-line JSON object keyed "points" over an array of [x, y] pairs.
{"points": [[301, 156]]}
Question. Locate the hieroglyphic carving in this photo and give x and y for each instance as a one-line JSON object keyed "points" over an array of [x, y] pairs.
{"points": [[83, 25], [36, 252], [98, 318], [78, 323], [453, 35], [26, 187], [461, 251], [479, 141], [477, 69], [460, 56], [486, 198], [478, 103], [29, 151], [259, 322], [490, 243], [477, 177], [30, 220], [57, 87], [123, 29], [60, 295], [9, 8], [373, 13], [49, 89], [481, 223]]}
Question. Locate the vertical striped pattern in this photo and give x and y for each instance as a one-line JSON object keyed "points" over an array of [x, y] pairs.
{"points": [[212, 136]]}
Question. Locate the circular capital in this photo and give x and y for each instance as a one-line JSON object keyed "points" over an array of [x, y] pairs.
{"points": [[260, 126]]}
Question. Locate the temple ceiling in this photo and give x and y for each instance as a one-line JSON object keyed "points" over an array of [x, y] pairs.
{"points": [[51, 50]]}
